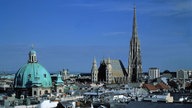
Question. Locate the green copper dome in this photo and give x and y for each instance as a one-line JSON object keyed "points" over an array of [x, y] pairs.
{"points": [[32, 74]]}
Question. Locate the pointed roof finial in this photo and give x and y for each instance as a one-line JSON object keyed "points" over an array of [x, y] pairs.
{"points": [[134, 5], [109, 61], [94, 60], [134, 32]]}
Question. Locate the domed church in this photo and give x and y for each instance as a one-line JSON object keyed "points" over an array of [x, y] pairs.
{"points": [[32, 79]]}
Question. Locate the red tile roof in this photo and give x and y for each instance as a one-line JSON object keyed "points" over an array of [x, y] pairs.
{"points": [[162, 86], [149, 87]]}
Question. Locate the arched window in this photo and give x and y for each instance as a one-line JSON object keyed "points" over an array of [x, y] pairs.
{"points": [[29, 76], [35, 93], [46, 92], [60, 90]]}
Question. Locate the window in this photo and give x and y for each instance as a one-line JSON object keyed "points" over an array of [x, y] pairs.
{"points": [[60, 90], [44, 75], [35, 93], [40, 92], [29, 76], [46, 92]]}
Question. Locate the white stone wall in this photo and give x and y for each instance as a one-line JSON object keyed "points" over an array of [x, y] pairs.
{"points": [[59, 89], [40, 91]]}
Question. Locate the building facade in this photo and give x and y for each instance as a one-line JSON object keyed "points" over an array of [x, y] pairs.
{"points": [[154, 73], [64, 74], [184, 74], [134, 61], [109, 71]]}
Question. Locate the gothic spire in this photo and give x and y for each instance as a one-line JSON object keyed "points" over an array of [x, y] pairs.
{"points": [[94, 61], [94, 66], [134, 32], [135, 65]]}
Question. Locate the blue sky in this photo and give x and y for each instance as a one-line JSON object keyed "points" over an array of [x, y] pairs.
{"points": [[69, 33]]}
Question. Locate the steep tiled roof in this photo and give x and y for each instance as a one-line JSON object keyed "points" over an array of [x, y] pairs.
{"points": [[149, 87], [118, 69], [162, 86]]}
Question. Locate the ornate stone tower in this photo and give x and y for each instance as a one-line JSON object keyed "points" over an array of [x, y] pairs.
{"points": [[108, 71], [135, 64], [59, 84], [94, 71]]}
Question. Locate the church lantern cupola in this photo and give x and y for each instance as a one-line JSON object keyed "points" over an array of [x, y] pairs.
{"points": [[32, 57]]}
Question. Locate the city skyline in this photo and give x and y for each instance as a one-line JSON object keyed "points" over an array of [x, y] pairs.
{"points": [[70, 34]]}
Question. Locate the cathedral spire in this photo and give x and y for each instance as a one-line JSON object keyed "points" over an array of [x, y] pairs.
{"points": [[135, 64], [134, 32]]}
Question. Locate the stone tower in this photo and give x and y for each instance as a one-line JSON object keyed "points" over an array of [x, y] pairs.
{"points": [[109, 71], [94, 71], [135, 64]]}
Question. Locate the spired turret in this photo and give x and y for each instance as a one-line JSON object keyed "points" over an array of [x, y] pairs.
{"points": [[59, 84], [59, 80], [94, 71]]}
